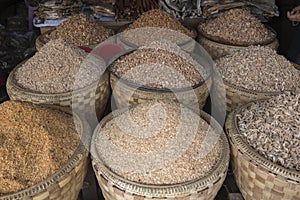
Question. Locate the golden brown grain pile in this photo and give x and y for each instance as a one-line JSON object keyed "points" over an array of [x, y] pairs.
{"points": [[81, 31], [34, 143]]}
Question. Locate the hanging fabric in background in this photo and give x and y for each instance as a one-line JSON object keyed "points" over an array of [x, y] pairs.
{"points": [[293, 53]]}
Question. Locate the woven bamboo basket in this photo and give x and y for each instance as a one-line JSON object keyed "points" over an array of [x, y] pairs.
{"points": [[115, 187], [218, 48], [257, 177], [87, 100], [237, 96], [67, 182], [126, 93]]}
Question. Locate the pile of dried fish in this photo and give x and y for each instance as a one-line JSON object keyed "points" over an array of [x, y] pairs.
{"points": [[272, 128], [259, 8], [239, 27], [260, 69], [51, 9], [182, 8]]}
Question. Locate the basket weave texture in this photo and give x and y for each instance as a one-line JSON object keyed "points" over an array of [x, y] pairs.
{"points": [[82, 100], [257, 177], [126, 95], [114, 187], [237, 96], [66, 183]]}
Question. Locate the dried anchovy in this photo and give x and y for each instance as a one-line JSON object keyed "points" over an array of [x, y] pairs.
{"points": [[260, 69], [272, 127], [237, 25], [58, 67]]}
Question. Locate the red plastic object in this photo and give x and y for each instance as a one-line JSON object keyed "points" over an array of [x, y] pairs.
{"points": [[107, 51]]}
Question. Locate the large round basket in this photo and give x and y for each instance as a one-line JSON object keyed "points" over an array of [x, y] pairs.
{"points": [[187, 44], [218, 48], [115, 187], [89, 101], [257, 177], [114, 25], [237, 96], [126, 93], [67, 182]]}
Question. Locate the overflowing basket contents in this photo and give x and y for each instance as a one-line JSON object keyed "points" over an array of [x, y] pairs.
{"points": [[160, 70], [78, 30], [121, 90], [264, 138], [253, 73], [67, 77], [156, 25], [159, 149], [40, 149], [234, 30]]}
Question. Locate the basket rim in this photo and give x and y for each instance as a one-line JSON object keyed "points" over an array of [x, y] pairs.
{"points": [[236, 140], [152, 89], [79, 154], [236, 44], [198, 184], [12, 83], [242, 89]]}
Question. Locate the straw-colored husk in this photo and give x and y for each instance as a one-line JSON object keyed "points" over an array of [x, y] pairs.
{"points": [[125, 95], [257, 177], [115, 187], [218, 49], [67, 182], [83, 100]]}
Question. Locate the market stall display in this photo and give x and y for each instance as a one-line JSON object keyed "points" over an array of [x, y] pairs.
{"points": [[193, 174], [51, 9], [78, 30], [160, 70], [41, 153], [264, 138], [253, 73], [67, 77], [234, 30], [155, 25]]}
